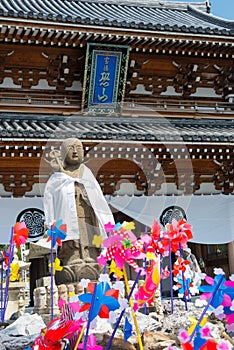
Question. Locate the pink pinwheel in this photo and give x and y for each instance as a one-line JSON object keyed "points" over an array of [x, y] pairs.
{"points": [[123, 246], [91, 344], [20, 234]]}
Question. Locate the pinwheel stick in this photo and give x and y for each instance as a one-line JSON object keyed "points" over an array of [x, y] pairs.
{"points": [[207, 306], [183, 281], [51, 278], [89, 317], [1, 296], [80, 337], [133, 313], [171, 277], [8, 275], [122, 312]]}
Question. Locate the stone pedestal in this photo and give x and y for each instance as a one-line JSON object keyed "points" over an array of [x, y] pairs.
{"points": [[75, 272], [16, 299]]}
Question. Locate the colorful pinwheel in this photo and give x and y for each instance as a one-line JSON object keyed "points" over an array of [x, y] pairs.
{"points": [[105, 300], [57, 233], [122, 246], [20, 234], [145, 293]]}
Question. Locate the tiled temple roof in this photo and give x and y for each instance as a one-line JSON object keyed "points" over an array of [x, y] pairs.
{"points": [[151, 130], [144, 15]]}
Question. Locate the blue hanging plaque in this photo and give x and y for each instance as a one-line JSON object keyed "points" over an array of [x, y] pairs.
{"points": [[105, 76]]}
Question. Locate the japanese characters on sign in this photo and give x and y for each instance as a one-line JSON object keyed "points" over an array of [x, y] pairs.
{"points": [[105, 75]]}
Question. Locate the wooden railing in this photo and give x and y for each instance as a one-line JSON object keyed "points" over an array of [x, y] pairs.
{"points": [[71, 101], [167, 106]]}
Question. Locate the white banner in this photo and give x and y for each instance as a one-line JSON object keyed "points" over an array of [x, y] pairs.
{"points": [[212, 216], [29, 210]]}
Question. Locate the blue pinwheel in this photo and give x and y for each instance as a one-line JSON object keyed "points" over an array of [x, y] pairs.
{"points": [[104, 300], [127, 330], [57, 233], [209, 290]]}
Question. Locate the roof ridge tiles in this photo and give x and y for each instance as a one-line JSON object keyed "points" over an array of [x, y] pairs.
{"points": [[229, 24]]}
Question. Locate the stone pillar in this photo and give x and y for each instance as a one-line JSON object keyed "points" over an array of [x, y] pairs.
{"points": [[15, 291], [231, 257], [40, 300]]}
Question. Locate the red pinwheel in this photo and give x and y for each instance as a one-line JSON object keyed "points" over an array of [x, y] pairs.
{"points": [[20, 234], [180, 265], [57, 233], [6, 255], [105, 300], [178, 233], [155, 232], [53, 335]]}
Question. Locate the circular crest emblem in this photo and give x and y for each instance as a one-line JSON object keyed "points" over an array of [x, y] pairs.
{"points": [[170, 213], [34, 219]]}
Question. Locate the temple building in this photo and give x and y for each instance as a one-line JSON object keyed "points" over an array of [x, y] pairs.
{"points": [[147, 86]]}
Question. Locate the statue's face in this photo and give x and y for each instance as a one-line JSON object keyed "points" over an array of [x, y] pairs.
{"points": [[74, 153]]}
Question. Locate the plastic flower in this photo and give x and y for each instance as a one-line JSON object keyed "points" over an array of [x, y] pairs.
{"points": [[57, 233], [56, 265], [183, 336], [97, 240], [115, 270], [84, 282], [14, 272], [105, 300], [20, 234], [128, 226], [109, 227], [104, 278]]}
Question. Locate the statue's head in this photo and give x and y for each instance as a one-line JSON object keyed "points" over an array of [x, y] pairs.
{"points": [[72, 151]]}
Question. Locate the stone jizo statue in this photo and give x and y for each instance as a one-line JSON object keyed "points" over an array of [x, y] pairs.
{"points": [[73, 194]]}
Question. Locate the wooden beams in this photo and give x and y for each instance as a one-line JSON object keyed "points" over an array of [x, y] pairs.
{"points": [[154, 41], [147, 168]]}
